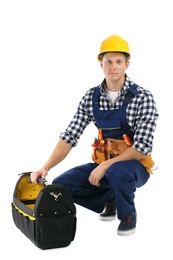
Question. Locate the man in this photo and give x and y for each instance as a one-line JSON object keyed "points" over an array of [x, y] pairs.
{"points": [[125, 115]]}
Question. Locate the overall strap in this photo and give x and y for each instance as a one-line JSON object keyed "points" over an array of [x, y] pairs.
{"points": [[96, 98], [131, 92]]}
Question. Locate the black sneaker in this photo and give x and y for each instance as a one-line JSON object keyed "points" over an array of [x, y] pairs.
{"points": [[127, 226], [109, 212]]}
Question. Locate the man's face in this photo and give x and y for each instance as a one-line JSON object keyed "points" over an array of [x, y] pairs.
{"points": [[114, 65]]}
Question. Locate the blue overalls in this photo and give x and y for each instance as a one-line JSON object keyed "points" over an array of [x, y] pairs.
{"points": [[121, 179]]}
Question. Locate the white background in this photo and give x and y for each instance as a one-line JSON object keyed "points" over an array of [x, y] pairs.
{"points": [[48, 53]]}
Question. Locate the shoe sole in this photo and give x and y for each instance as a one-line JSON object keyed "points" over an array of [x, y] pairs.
{"points": [[126, 232], [110, 218]]}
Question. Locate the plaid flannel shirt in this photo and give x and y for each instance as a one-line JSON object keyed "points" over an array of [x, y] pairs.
{"points": [[141, 114]]}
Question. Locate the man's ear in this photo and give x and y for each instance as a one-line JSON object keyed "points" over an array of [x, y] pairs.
{"points": [[128, 63]]}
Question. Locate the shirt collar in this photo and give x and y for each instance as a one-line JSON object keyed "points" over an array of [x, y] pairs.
{"points": [[127, 84]]}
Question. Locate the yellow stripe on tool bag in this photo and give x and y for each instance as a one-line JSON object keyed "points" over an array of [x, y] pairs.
{"points": [[23, 213]]}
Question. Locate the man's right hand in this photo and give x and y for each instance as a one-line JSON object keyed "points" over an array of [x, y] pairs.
{"points": [[36, 174]]}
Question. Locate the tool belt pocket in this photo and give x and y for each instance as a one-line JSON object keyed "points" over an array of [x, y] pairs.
{"points": [[115, 147], [105, 149], [110, 148], [99, 156]]}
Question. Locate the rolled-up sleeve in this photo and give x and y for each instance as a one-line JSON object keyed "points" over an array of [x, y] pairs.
{"points": [[81, 119], [145, 121]]}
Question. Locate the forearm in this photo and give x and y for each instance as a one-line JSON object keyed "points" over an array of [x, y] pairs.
{"points": [[129, 154], [59, 153], [98, 173]]}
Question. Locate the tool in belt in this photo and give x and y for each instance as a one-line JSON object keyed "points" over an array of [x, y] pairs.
{"points": [[104, 149]]}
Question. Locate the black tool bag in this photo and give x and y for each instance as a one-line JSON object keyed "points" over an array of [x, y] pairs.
{"points": [[45, 213]]}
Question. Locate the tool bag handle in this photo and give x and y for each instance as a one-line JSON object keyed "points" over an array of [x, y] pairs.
{"points": [[40, 181]]}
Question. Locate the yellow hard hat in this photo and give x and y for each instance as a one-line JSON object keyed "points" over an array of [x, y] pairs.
{"points": [[114, 43]]}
